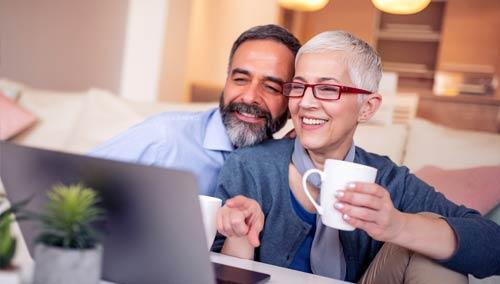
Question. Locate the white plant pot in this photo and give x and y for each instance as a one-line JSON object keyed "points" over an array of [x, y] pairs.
{"points": [[10, 276], [55, 265]]}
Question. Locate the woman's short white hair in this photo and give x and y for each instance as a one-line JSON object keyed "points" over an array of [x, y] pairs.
{"points": [[363, 62]]}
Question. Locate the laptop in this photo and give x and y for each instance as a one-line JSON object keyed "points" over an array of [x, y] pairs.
{"points": [[153, 230]]}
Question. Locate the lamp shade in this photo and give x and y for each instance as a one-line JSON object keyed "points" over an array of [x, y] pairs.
{"points": [[303, 5], [401, 6]]}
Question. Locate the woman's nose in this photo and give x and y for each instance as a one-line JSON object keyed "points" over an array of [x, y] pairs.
{"points": [[308, 100]]}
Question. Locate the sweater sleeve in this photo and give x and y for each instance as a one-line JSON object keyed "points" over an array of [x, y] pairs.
{"points": [[478, 250], [233, 180]]}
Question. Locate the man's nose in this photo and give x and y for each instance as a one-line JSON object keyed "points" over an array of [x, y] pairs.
{"points": [[251, 94]]}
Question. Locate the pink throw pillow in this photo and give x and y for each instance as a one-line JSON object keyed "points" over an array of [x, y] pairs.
{"points": [[477, 188], [13, 118]]}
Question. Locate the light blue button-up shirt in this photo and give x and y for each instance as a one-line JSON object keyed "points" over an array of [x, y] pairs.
{"points": [[192, 141]]}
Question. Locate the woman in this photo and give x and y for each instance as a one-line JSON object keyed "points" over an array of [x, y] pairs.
{"points": [[267, 217]]}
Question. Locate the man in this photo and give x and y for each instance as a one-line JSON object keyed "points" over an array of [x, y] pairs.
{"points": [[251, 109]]}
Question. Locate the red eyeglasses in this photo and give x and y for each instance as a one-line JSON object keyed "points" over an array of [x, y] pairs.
{"points": [[327, 92]]}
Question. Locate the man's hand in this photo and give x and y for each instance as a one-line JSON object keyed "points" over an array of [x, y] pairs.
{"points": [[369, 207], [241, 216]]}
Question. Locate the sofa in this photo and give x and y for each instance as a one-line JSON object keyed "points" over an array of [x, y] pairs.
{"points": [[464, 165]]}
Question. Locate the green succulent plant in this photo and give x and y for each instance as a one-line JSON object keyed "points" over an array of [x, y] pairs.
{"points": [[68, 217], [7, 240]]}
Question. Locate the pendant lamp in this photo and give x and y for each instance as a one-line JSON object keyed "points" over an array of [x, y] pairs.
{"points": [[303, 5], [403, 7]]}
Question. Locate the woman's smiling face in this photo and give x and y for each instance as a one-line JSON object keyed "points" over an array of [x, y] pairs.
{"points": [[324, 126]]}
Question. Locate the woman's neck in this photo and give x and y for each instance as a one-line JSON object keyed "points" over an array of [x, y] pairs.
{"points": [[318, 158]]}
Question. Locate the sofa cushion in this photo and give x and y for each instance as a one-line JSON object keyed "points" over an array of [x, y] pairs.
{"points": [[431, 144], [102, 116], [13, 118], [147, 109], [11, 89], [475, 188], [386, 140], [56, 111]]}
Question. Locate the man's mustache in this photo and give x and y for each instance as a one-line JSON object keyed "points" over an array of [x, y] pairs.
{"points": [[250, 109]]}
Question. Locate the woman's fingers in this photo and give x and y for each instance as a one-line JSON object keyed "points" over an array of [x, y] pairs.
{"points": [[367, 188], [241, 216], [238, 225], [231, 222], [359, 199], [369, 207], [362, 213], [255, 229]]}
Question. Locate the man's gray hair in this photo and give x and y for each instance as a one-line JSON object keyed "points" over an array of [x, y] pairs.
{"points": [[363, 62]]}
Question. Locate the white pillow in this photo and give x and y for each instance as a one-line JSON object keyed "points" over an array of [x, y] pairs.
{"points": [[386, 140], [11, 89], [102, 116], [432, 144], [387, 89], [149, 109], [56, 113], [383, 140]]}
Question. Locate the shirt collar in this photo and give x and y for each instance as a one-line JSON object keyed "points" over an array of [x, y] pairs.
{"points": [[216, 137], [350, 155]]}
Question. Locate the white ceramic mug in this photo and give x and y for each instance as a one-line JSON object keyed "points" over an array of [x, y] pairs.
{"points": [[209, 206], [336, 175]]}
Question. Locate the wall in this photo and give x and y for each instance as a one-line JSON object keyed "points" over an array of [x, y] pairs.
{"points": [[173, 73], [359, 17], [63, 45], [145, 40], [214, 26]]}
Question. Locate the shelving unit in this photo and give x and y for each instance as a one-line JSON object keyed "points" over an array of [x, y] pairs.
{"points": [[409, 44]]}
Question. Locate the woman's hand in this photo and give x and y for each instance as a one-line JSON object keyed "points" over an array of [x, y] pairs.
{"points": [[241, 216], [369, 207]]}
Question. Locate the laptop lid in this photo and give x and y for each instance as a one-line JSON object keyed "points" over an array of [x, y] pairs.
{"points": [[153, 232]]}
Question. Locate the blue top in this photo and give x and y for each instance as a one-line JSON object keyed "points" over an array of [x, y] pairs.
{"points": [[192, 141], [261, 173], [302, 259]]}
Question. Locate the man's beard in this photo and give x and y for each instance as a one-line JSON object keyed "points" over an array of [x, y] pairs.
{"points": [[243, 134]]}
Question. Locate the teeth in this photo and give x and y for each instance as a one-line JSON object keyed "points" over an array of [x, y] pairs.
{"points": [[312, 121], [248, 114]]}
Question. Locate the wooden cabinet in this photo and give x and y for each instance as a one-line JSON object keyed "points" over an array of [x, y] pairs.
{"points": [[471, 33], [481, 113], [409, 44], [358, 17]]}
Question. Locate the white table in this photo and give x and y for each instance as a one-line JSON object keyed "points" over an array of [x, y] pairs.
{"points": [[278, 274]]}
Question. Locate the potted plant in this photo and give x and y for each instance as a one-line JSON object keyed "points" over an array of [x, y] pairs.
{"points": [[67, 249], [9, 273]]}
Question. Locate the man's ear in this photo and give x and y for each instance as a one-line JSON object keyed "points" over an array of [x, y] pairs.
{"points": [[369, 107]]}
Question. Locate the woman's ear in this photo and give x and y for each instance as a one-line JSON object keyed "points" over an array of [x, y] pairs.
{"points": [[369, 107]]}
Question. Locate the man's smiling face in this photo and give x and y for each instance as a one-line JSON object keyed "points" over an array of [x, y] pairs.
{"points": [[252, 105]]}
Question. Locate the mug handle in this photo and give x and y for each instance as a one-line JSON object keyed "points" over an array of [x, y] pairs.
{"points": [[304, 187]]}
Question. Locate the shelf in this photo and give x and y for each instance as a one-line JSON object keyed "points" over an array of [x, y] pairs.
{"points": [[409, 70], [409, 35], [409, 45]]}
